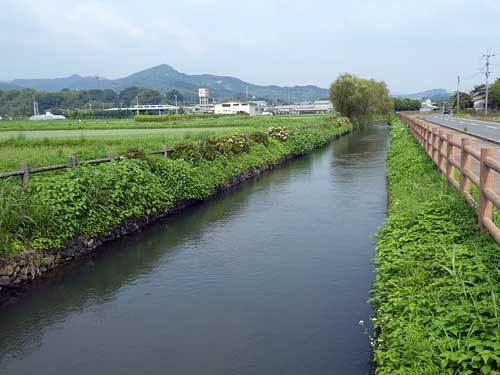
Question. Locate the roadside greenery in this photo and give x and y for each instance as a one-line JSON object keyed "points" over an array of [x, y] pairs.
{"points": [[360, 99], [465, 101], [437, 289], [90, 201]]}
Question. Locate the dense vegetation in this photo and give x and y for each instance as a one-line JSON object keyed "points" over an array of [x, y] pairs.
{"points": [[406, 104], [89, 201], [19, 103], [360, 99], [438, 280]]}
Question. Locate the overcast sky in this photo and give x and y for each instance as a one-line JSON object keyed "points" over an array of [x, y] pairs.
{"points": [[412, 45]]}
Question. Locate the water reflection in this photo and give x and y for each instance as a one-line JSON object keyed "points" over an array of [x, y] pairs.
{"points": [[269, 278]]}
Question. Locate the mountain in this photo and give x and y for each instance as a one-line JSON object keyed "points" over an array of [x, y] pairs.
{"points": [[56, 84], [433, 94], [8, 86], [165, 78]]}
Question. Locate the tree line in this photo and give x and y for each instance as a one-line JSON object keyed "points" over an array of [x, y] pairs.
{"points": [[406, 104], [360, 99], [19, 103]]}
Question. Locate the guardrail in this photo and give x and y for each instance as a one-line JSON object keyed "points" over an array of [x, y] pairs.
{"points": [[25, 171], [441, 147]]}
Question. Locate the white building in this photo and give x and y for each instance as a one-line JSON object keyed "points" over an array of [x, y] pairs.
{"points": [[47, 116], [316, 107], [234, 107], [427, 106]]}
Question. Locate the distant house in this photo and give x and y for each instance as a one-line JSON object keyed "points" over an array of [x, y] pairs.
{"points": [[234, 107], [47, 116], [478, 95], [427, 106]]}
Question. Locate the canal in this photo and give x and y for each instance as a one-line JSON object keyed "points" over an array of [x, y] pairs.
{"points": [[270, 278]]}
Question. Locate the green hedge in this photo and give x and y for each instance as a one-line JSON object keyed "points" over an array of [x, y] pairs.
{"points": [[437, 288], [172, 117], [85, 114], [92, 200]]}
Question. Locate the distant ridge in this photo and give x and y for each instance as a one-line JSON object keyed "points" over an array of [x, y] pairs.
{"points": [[433, 94], [165, 78]]}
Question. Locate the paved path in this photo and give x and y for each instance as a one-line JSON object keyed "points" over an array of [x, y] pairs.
{"points": [[484, 129]]}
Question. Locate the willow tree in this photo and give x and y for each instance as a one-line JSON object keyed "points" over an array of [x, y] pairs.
{"points": [[360, 99]]}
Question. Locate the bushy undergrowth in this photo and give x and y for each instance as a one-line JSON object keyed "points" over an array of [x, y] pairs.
{"points": [[92, 200], [438, 281]]}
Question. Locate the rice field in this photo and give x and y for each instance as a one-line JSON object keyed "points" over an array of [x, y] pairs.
{"points": [[74, 125]]}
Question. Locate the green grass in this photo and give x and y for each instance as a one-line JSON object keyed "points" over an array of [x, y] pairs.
{"points": [[26, 125], [91, 200], [437, 288], [55, 146]]}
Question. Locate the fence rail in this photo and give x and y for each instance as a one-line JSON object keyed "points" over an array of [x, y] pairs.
{"points": [[26, 171], [442, 148]]}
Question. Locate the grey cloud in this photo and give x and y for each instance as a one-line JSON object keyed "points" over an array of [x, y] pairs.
{"points": [[412, 45]]}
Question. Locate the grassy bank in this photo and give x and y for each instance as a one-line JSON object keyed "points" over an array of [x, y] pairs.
{"points": [[90, 201], [437, 288]]}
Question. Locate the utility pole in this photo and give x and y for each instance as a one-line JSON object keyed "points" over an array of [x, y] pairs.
{"points": [[175, 96], [458, 94], [137, 107], [488, 55]]}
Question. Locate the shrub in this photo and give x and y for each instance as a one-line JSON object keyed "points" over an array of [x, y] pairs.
{"points": [[279, 133], [259, 137], [187, 151]]}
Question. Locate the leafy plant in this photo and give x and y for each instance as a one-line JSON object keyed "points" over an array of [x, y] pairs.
{"points": [[438, 279]]}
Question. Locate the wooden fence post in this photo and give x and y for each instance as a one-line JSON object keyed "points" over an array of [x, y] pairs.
{"points": [[429, 141], [165, 151], [72, 163], [434, 147], [450, 156], [26, 174], [465, 163], [485, 206], [440, 148]]}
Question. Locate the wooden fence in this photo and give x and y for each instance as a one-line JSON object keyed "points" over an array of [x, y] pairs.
{"points": [[442, 148], [25, 171]]}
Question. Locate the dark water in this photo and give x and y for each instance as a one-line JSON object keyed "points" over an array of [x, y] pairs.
{"points": [[271, 278]]}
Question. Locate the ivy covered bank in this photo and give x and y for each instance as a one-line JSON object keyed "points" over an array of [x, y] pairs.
{"points": [[437, 289]]}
